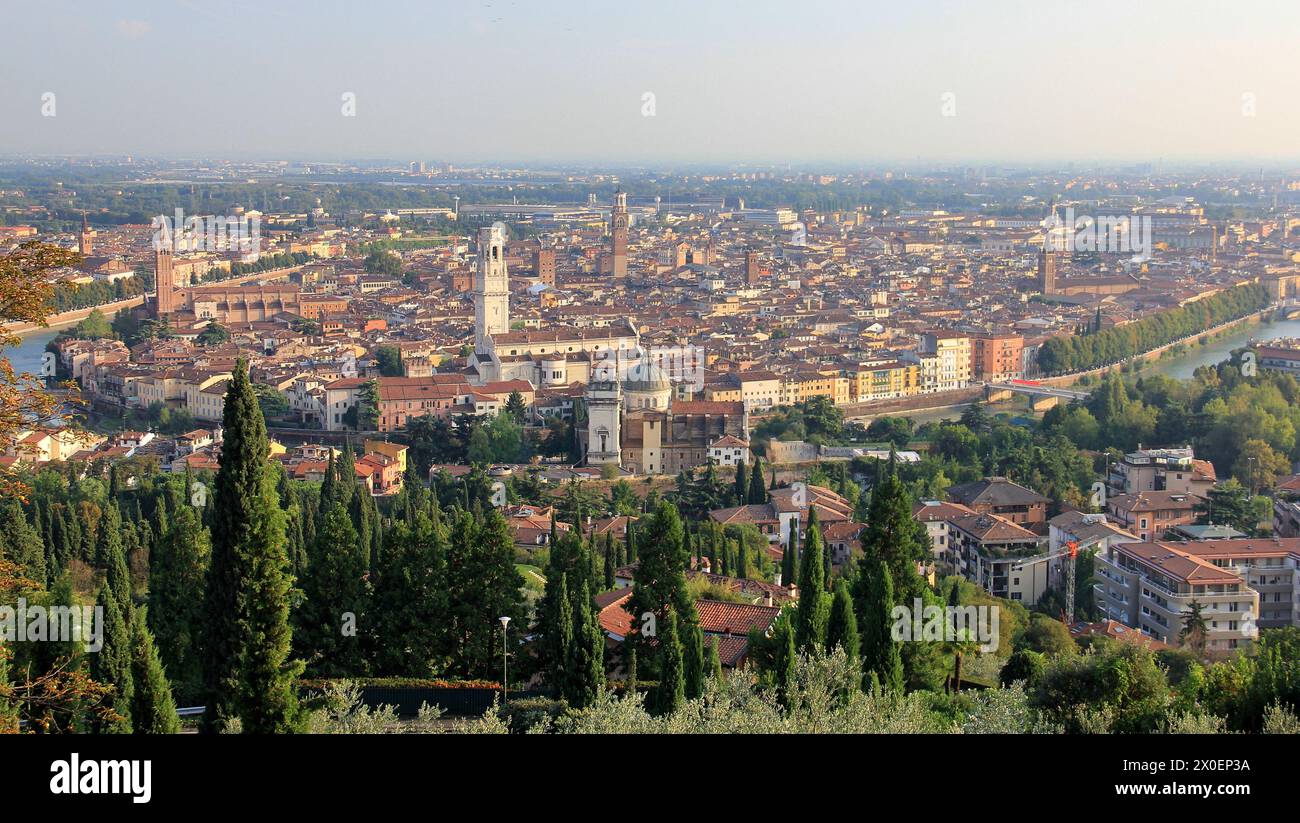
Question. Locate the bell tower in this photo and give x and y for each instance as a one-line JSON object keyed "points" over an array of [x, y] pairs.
{"points": [[491, 287], [85, 240], [618, 227], [604, 400]]}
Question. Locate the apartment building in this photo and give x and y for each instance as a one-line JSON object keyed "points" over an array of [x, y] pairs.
{"points": [[809, 384], [991, 552], [1174, 470], [999, 496], [997, 357], [934, 515], [1152, 513], [1151, 587], [952, 352], [883, 380]]}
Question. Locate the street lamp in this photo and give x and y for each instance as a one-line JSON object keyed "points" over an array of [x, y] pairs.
{"points": [[505, 677]]}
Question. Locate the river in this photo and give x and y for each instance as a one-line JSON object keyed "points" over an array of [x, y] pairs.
{"points": [[26, 356], [1182, 365]]}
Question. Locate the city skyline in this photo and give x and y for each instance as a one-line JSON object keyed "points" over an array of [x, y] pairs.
{"points": [[754, 83]]}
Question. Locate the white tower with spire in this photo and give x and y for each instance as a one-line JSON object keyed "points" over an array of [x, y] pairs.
{"points": [[491, 287]]}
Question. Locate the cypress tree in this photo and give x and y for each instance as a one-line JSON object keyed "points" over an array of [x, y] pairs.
{"points": [[587, 672], [409, 600], [153, 711], [895, 536], [713, 663], [842, 627], [111, 665], [659, 582], [874, 604], [247, 670], [328, 487], [21, 543], [790, 558], [741, 489], [359, 511], [757, 489], [111, 557], [742, 559], [810, 624], [786, 656], [177, 572], [334, 585], [561, 636], [609, 562], [693, 660], [671, 692]]}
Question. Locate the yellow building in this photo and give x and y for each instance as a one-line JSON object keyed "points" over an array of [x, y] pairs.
{"points": [[883, 380]]}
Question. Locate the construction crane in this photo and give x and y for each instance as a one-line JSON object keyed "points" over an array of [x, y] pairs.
{"points": [[1070, 551]]}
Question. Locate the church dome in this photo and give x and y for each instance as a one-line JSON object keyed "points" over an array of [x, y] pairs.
{"points": [[646, 386], [647, 377]]}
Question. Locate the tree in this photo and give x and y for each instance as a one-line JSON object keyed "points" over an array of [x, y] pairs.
{"points": [[895, 536], [1047, 636], [383, 263], [110, 557], [810, 623], [367, 407], [1023, 664], [659, 582], [1229, 503], [713, 662], [516, 408], [1195, 630], [587, 672], [741, 488], [389, 359], [272, 403], [111, 665], [482, 586], [757, 486], [334, 590], [960, 640], [873, 600], [671, 692], [153, 711], [1258, 465], [248, 673], [410, 599], [790, 557], [693, 659], [213, 334], [177, 570], [94, 326], [842, 626]]}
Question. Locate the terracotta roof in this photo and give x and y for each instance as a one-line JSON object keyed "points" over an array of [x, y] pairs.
{"points": [[719, 617]]}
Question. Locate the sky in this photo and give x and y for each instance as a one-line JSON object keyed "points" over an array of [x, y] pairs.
{"points": [[732, 81]]}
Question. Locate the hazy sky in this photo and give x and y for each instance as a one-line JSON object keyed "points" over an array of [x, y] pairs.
{"points": [[791, 81]]}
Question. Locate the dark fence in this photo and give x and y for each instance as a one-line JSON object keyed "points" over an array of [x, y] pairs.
{"points": [[467, 702]]}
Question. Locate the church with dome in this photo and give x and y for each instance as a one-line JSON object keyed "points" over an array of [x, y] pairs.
{"points": [[636, 421], [635, 418]]}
